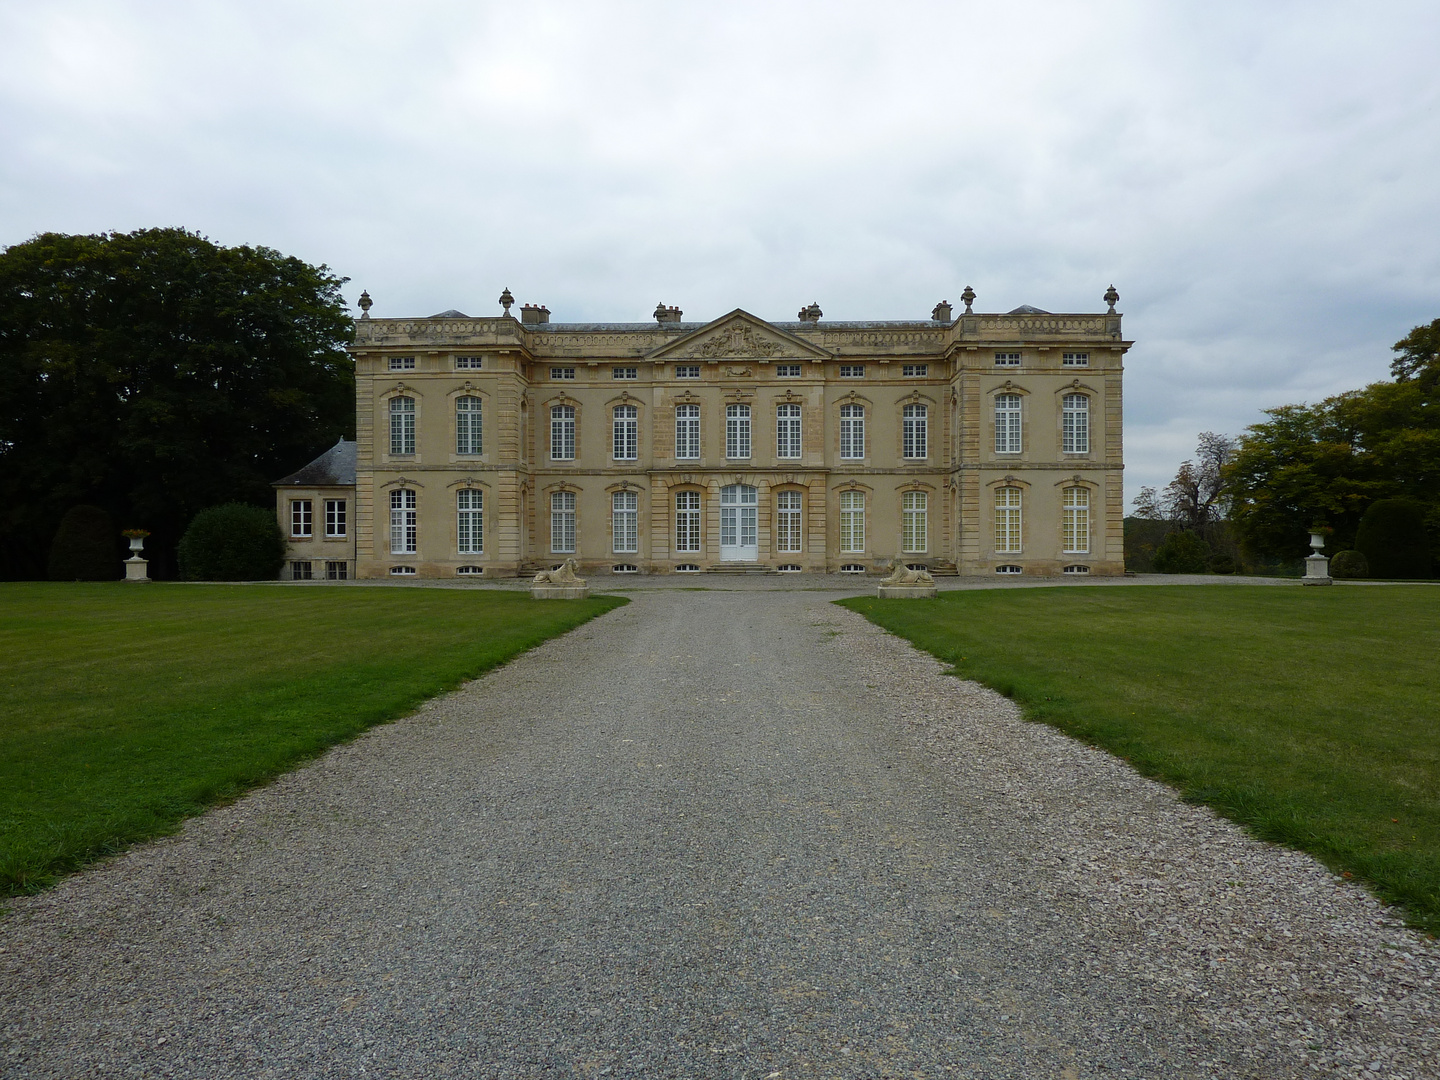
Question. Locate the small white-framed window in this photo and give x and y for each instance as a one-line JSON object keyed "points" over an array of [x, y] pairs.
{"points": [[852, 521], [916, 442], [852, 371], [914, 522], [301, 570], [1009, 568], [404, 521], [469, 363], [1075, 359], [562, 522], [687, 521], [688, 568], [789, 568], [915, 371], [402, 363], [300, 518], [1075, 424], [737, 431], [687, 432], [1076, 569], [562, 433], [563, 374], [470, 571], [1007, 359], [687, 371], [402, 571], [787, 371], [470, 521], [852, 431], [1076, 521], [335, 514], [625, 521], [787, 431], [852, 568], [625, 445], [337, 570], [1007, 423], [1007, 520], [787, 512], [402, 425], [624, 373], [467, 425]]}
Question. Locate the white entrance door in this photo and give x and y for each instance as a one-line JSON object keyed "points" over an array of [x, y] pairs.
{"points": [[739, 535]]}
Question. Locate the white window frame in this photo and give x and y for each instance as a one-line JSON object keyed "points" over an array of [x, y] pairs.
{"points": [[562, 432], [301, 570], [562, 522], [1008, 503], [625, 430], [562, 374], [687, 371], [788, 536], [624, 373], [404, 521], [625, 522], [402, 426], [1075, 424], [787, 371], [469, 432], [336, 513], [914, 522], [852, 432], [915, 444], [687, 432], [470, 521], [737, 432], [787, 430], [469, 363], [852, 371], [1007, 359], [337, 570], [302, 518], [687, 521], [1008, 428], [402, 363], [852, 522], [1075, 359], [915, 371], [1075, 534]]}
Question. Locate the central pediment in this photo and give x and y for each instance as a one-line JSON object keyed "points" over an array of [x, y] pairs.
{"points": [[739, 335]]}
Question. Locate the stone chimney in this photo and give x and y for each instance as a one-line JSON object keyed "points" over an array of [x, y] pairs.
{"points": [[534, 313], [942, 312], [665, 314], [811, 314]]}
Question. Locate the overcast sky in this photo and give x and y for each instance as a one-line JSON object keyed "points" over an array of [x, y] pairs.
{"points": [[1261, 181]]}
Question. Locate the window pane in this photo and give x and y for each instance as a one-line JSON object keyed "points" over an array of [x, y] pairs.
{"points": [[787, 431], [562, 433], [467, 425], [402, 521], [852, 521], [914, 521], [1076, 528], [1007, 423], [687, 521], [852, 431], [625, 532], [1075, 424], [687, 431], [916, 431], [335, 517], [402, 425], [737, 431], [562, 522], [1007, 520], [626, 433], [470, 526]]}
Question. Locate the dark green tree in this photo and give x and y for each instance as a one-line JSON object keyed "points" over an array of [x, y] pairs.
{"points": [[1182, 552], [154, 373], [1392, 539], [234, 542], [86, 547]]}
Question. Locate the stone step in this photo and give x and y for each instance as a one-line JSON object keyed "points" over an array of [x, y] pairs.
{"points": [[739, 568]]}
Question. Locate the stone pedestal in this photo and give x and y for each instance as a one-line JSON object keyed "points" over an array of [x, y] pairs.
{"points": [[906, 592], [1317, 570], [559, 592], [137, 569]]}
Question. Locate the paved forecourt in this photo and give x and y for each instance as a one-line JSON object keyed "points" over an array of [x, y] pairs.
{"points": [[711, 834]]}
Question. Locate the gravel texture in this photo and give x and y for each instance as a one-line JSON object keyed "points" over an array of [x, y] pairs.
{"points": [[714, 834]]}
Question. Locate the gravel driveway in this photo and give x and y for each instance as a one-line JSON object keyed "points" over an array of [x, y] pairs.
{"points": [[714, 834]]}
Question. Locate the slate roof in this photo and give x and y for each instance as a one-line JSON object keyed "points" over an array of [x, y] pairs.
{"points": [[450, 313], [1026, 309], [334, 468]]}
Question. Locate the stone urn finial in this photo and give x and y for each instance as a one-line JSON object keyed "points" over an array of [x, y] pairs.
{"points": [[968, 296], [365, 304], [506, 300], [1112, 298]]}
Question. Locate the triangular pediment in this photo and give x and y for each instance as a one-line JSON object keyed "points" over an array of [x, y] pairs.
{"points": [[739, 335]]}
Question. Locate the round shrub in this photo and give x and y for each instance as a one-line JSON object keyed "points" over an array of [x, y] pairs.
{"points": [[1349, 564], [85, 547], [233, 542], [1392, 539], [1223, 563], [1182, 553]]}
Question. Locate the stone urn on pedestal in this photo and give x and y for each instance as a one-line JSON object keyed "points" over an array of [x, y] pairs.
{"points": [[1317, 566], [136, 567]]}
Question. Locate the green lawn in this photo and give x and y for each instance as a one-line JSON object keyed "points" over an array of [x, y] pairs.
{"points": [[1312, 716], [125, 709]]}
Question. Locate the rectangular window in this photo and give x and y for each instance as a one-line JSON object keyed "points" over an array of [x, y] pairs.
{"points": [[402, 425], [567, 373], [1007, 359], [470, 521], [626, 428], [687, 371], [737, 431], [1007, 520], [1007, 423], [335, 524], [625, 521], [1075, 359], [916, 441], [787, 431], [687, 521], [624, 373], [337, 571], [787, 371], [467, 425], [300, 518], [914, 522], [402, 363], [403, 521], [915, 371], [852, 371], [562, 433], [562, 522], [300, 570], [687, 432], [1075, 424], [468, 363], [852, 521], [1077, 521], [852, 431], [787, 512]]}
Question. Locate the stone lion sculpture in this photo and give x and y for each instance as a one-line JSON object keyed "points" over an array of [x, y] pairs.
{"points": [[900, 574], [565, 575]]}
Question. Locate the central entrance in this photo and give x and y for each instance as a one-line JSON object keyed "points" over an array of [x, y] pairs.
{"points": [[739, 516]]}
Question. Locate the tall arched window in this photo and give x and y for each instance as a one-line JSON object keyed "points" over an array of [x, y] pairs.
{"points": [[562, 433], [916, 432], [1076, 522], [737, 431], [402, 425], [626, 442], [1007, 520], [625, 521], [687, 521], [852, 431], [787, 431], [562, 522], [687, 432], [1007, 423], [467, 425], [852, 521], [470, 521], [403, 523], [787, 511], [914, 522], [1075, 424]]}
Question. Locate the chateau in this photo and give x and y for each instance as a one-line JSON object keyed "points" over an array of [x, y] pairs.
{"points": [[969, 443]]}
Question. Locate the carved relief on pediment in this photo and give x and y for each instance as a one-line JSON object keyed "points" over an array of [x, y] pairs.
{"points": [[737, 339]]}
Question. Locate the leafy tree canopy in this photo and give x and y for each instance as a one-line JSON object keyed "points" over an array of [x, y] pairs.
{"points": [[153, 373]]}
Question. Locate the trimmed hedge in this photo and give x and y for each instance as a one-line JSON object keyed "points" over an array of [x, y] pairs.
{"points": [[1349, 564], [1392, 539], [1182, 553], [85, 548], [233, 542]]}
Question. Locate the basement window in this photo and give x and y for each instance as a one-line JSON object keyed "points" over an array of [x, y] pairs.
{"points": [[789, 568], [1009, 568], [624, 568], [402, 571], [687, 568], [852, 568], [1077, 569], [469, 571]]}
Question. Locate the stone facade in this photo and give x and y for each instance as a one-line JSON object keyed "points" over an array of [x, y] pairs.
{"points": [[978, 444]]}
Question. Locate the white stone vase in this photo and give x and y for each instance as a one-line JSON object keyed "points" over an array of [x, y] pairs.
{"points": [[136, 567], [1317, 566]]}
